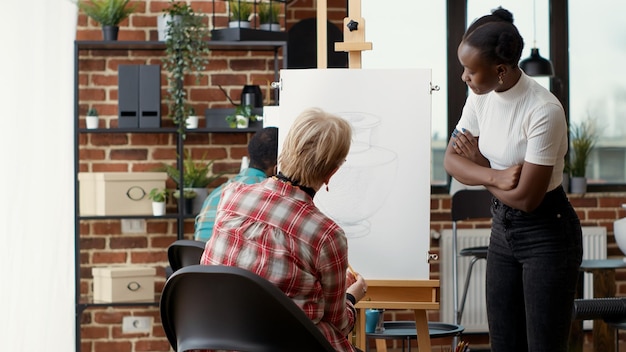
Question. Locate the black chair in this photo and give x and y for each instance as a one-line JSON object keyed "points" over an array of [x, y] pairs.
{"points": [[229, 308], [182, 253], [611, 309], [467, 204]]}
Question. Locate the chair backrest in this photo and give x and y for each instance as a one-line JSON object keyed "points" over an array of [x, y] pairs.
{"points": [[224, 307], [182, 253], [471, 204]]}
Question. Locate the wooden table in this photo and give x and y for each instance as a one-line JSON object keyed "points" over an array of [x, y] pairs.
{"points": [[603, 271], [416, 295]]}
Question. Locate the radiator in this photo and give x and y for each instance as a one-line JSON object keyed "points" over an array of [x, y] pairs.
{"points": [[474, 315]]}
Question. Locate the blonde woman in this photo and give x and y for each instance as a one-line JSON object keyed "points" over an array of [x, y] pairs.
{"points": [[274, 229]]}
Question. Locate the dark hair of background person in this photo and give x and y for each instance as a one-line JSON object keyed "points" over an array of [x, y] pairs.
{"points": [[496, 37], [263, 148]]}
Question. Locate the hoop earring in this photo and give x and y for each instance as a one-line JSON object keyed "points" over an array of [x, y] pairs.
{"points": [[326, 187], [500, 81]]}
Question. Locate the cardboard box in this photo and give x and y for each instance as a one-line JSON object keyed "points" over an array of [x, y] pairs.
{"points": [[123, 284], [118, 193]]}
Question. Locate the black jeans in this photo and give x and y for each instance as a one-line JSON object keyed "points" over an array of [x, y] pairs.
{"points": [[532, 269]]}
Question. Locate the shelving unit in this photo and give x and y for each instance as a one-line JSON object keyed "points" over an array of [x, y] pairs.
{"points": [[83, 303]]}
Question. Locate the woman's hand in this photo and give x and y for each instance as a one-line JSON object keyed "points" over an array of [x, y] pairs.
{"points": [[508, 178], [466, 145], [359, 288]]}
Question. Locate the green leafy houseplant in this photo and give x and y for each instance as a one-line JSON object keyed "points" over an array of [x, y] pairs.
{"points": [[106, 12], [92, 112], [583, 139], [158, 194], [240, 10], [268, 12], [187, 52], [195, 174], [240, 110]]}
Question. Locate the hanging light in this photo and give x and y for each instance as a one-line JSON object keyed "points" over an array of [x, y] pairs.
{"points": [[536, 65]]}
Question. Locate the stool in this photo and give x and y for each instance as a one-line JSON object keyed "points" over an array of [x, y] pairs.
{"points": [[617, 325], [406, 331]]}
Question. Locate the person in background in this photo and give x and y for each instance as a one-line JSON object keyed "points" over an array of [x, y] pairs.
{"points": [[262, 150], [274, 229], [512, 139]]}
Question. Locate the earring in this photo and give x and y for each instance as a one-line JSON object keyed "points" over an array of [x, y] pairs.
{"points": [[327, 188], [500, 81]]}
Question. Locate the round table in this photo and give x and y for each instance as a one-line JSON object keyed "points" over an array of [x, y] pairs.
{"points": [[405, 330]]}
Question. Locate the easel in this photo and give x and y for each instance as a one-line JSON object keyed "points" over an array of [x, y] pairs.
{"points": [[416, 295]]}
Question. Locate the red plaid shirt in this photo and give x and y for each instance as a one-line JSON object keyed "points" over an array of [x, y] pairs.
{"points": [[275, 230]]}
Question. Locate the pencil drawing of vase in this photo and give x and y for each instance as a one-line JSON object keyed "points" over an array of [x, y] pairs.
{"points": [[361, 185]]}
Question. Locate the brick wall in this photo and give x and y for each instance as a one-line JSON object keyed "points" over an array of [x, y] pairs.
{"points": [[102, 242]]}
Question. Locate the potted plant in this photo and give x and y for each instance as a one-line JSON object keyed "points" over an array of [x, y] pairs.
{"points": [[192, 119], [195, 177], [92, 118], [189, 195], [187, 52], [240, 11], [268, 16], [241, 117], [108, 13], [159, 197], [583, 138]]}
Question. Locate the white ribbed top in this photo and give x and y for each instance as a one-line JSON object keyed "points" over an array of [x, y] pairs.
{"points": [[524, 123]]}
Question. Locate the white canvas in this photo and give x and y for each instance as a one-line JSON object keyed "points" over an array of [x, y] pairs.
{"points": [[381, 195]]}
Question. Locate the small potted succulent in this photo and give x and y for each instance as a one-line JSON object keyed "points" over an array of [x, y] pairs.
{"points": [[108, 13], [268, 16], [192, 119], [240, 11], [92, 118], [241, 117], [159, 198]]}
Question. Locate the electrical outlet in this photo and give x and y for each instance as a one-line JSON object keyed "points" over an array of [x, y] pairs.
{"points": [[135, 325], [133, 226]]}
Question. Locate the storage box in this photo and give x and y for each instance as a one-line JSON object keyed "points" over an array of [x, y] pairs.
{"points": [[118, 193], [123, 284]]}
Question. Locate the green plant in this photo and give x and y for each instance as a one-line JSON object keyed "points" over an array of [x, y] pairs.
{"points": [[187, 194], [195, 174], [158, 194], [240, 10], [92, 112], [240, 110], [583, 139], [106, 12], [187, 52], [268, 12]]}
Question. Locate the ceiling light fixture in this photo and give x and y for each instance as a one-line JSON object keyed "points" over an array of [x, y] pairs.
{"points": [[536, 65]]}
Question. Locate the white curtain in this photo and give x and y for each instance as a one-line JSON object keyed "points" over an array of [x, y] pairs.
{"points": [[36, 153]]}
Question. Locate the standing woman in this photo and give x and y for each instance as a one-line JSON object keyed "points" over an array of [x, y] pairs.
{"points": [[512, 139]]}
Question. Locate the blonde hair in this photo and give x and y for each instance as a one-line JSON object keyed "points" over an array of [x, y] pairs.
{"points": [[317, 143]]}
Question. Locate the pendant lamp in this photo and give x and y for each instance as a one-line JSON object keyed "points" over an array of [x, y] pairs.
{"points": [[536, 65]]}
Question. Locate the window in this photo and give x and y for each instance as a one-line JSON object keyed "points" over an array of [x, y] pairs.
{"points": [[597, 90]]}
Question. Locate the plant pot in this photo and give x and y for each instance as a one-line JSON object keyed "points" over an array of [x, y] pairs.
{"points": [[162, 25], [158, 208], [110, 32], [272, 27], [578, 185], [242, 121], [191, 122], [198, 201], [239, 24], [92, 122]]}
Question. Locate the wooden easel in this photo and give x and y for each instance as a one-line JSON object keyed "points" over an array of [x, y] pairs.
{"points": [[416, 295]]}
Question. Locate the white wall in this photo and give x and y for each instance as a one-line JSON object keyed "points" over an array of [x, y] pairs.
{"points": [[36, 211]]}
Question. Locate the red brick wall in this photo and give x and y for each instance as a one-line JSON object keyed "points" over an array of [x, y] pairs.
{"points": [[102, 242]]}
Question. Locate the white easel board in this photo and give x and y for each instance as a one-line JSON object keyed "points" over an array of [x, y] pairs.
{"points": [[381, 195]]}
